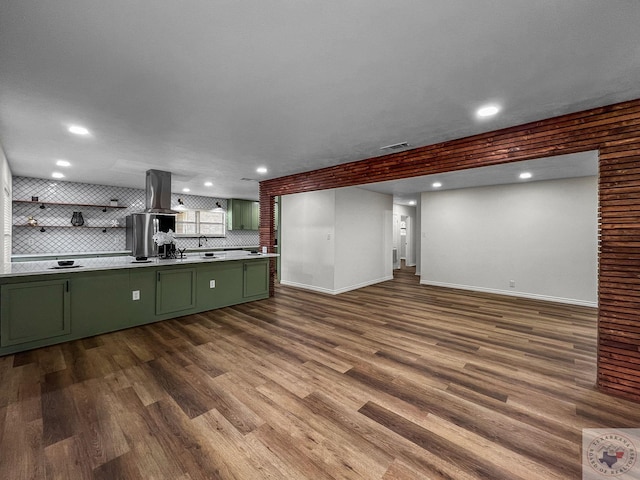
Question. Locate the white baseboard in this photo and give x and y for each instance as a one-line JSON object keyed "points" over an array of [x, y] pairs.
{"points": [[534, 296], [329, 291]]}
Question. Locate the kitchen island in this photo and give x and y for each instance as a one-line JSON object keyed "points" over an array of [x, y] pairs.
{"points": [[43, 304]]}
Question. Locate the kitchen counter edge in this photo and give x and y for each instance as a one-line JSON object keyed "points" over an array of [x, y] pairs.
{"points": [[23, 269]]}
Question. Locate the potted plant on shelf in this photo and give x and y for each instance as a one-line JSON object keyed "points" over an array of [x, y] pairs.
{"points": [[166, 244]]}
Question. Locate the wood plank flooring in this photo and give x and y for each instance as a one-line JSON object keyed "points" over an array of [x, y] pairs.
{"points": [[392, 381]]}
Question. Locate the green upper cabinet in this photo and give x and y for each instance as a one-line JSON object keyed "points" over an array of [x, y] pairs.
{"points": [[255, 215], [34, 311], [243, 214]]}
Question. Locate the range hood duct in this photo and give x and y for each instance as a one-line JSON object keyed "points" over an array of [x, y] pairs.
{"points": [[158, 192]]}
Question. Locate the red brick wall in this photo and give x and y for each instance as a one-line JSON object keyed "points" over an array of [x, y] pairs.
{"points": [[614, 130]]}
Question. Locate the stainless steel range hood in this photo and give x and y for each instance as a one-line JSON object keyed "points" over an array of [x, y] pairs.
{"points": [[158, 192]]}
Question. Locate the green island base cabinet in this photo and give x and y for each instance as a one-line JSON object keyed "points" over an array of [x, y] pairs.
{"points": [[39, 310]]}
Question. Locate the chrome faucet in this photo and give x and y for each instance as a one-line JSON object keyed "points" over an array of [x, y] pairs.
{"points": [[200, 240]]}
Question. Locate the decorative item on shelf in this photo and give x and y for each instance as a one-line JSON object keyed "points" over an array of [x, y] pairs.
{"points": [[114, 223], [77, 220], [34, 199], [113, 202], [180, 206], [165, 242], [32, 221]]}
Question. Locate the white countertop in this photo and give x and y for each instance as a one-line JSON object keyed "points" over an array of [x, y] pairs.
{"points": [[52, 256], [17, 269]]}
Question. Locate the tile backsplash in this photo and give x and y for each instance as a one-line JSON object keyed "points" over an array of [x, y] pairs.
{"points": [[59, 237]]}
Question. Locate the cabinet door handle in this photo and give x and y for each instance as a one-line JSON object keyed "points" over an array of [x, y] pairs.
{"points": [[158, 276], [67, 286]]}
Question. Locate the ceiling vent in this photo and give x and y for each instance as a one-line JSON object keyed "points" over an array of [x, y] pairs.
{"points": [[396, 146]]}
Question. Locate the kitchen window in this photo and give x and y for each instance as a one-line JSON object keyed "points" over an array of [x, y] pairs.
{"points": [[201, 222]]}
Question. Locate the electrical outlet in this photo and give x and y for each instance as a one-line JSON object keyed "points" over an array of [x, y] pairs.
{"points": [[512, 283], [212, 284], [135, 294]]}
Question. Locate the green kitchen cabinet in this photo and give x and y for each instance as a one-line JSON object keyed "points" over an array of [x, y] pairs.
{"points": [[175, 290], [255, 216], [256, 278], [100, 302], [243, 214], [32, 311], [219, 285], [45, 309], [143, 281]]}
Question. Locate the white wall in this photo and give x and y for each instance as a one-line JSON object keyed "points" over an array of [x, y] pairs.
{"points": [[5, 208], [335, 240], [363, 238], [542, 235], [307, 239]]}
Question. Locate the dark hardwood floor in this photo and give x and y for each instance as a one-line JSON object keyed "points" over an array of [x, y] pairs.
{"points": [[392, 381]]}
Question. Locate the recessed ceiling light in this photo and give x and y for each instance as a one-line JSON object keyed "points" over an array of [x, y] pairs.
{"points": [[208, 184], [57, 175], [487, 111], [186, 189], [436, 184], [412, 202], [261, 170], [63, 163], [78, 130], [525, 175]]}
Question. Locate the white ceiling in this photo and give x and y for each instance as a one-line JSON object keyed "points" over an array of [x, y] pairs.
{"points": [[212, 89], [573, 165]]}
